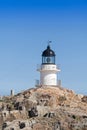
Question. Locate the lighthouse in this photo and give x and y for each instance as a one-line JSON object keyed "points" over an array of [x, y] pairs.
{"points": [[48, 69]]}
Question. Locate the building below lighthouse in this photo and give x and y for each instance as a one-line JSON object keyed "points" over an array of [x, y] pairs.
{"points": [[48, 69]]}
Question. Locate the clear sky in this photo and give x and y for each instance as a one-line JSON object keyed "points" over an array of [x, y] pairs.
{"points": [[25, 28]]}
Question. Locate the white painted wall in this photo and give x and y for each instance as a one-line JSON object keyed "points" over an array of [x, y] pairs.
{"points": [[48, 78], [48, 75]]}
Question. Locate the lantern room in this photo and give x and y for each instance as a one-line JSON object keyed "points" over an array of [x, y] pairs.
{"points": [[48, 56]]}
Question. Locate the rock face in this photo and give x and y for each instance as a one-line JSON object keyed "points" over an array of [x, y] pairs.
{"points": [[47, 108]]}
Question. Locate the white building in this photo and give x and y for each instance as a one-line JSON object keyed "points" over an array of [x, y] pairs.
{"points": [[48, 69]]}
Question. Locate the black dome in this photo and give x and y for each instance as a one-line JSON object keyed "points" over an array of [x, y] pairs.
{"points": [[48, 52]]}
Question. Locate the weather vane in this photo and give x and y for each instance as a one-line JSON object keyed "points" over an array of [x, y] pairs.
{"points": [[49, 43]]}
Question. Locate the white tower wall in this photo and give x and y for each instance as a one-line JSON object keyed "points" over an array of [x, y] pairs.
{"points": [[48, 74], [48, 78]]}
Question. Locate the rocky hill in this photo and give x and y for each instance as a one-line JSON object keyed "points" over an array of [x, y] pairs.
{"points": [[46, 108]]}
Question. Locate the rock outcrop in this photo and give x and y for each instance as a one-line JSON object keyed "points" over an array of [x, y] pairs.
{"points": [[47, 108]]}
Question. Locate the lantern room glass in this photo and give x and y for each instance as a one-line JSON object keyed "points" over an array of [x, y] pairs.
{"points": [[48, 59]]}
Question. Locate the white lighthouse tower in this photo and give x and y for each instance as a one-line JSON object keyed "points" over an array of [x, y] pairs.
{"points": [[48, 69]]}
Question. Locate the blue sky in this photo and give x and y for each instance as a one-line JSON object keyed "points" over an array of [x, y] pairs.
{"points": [[25, 28]]}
